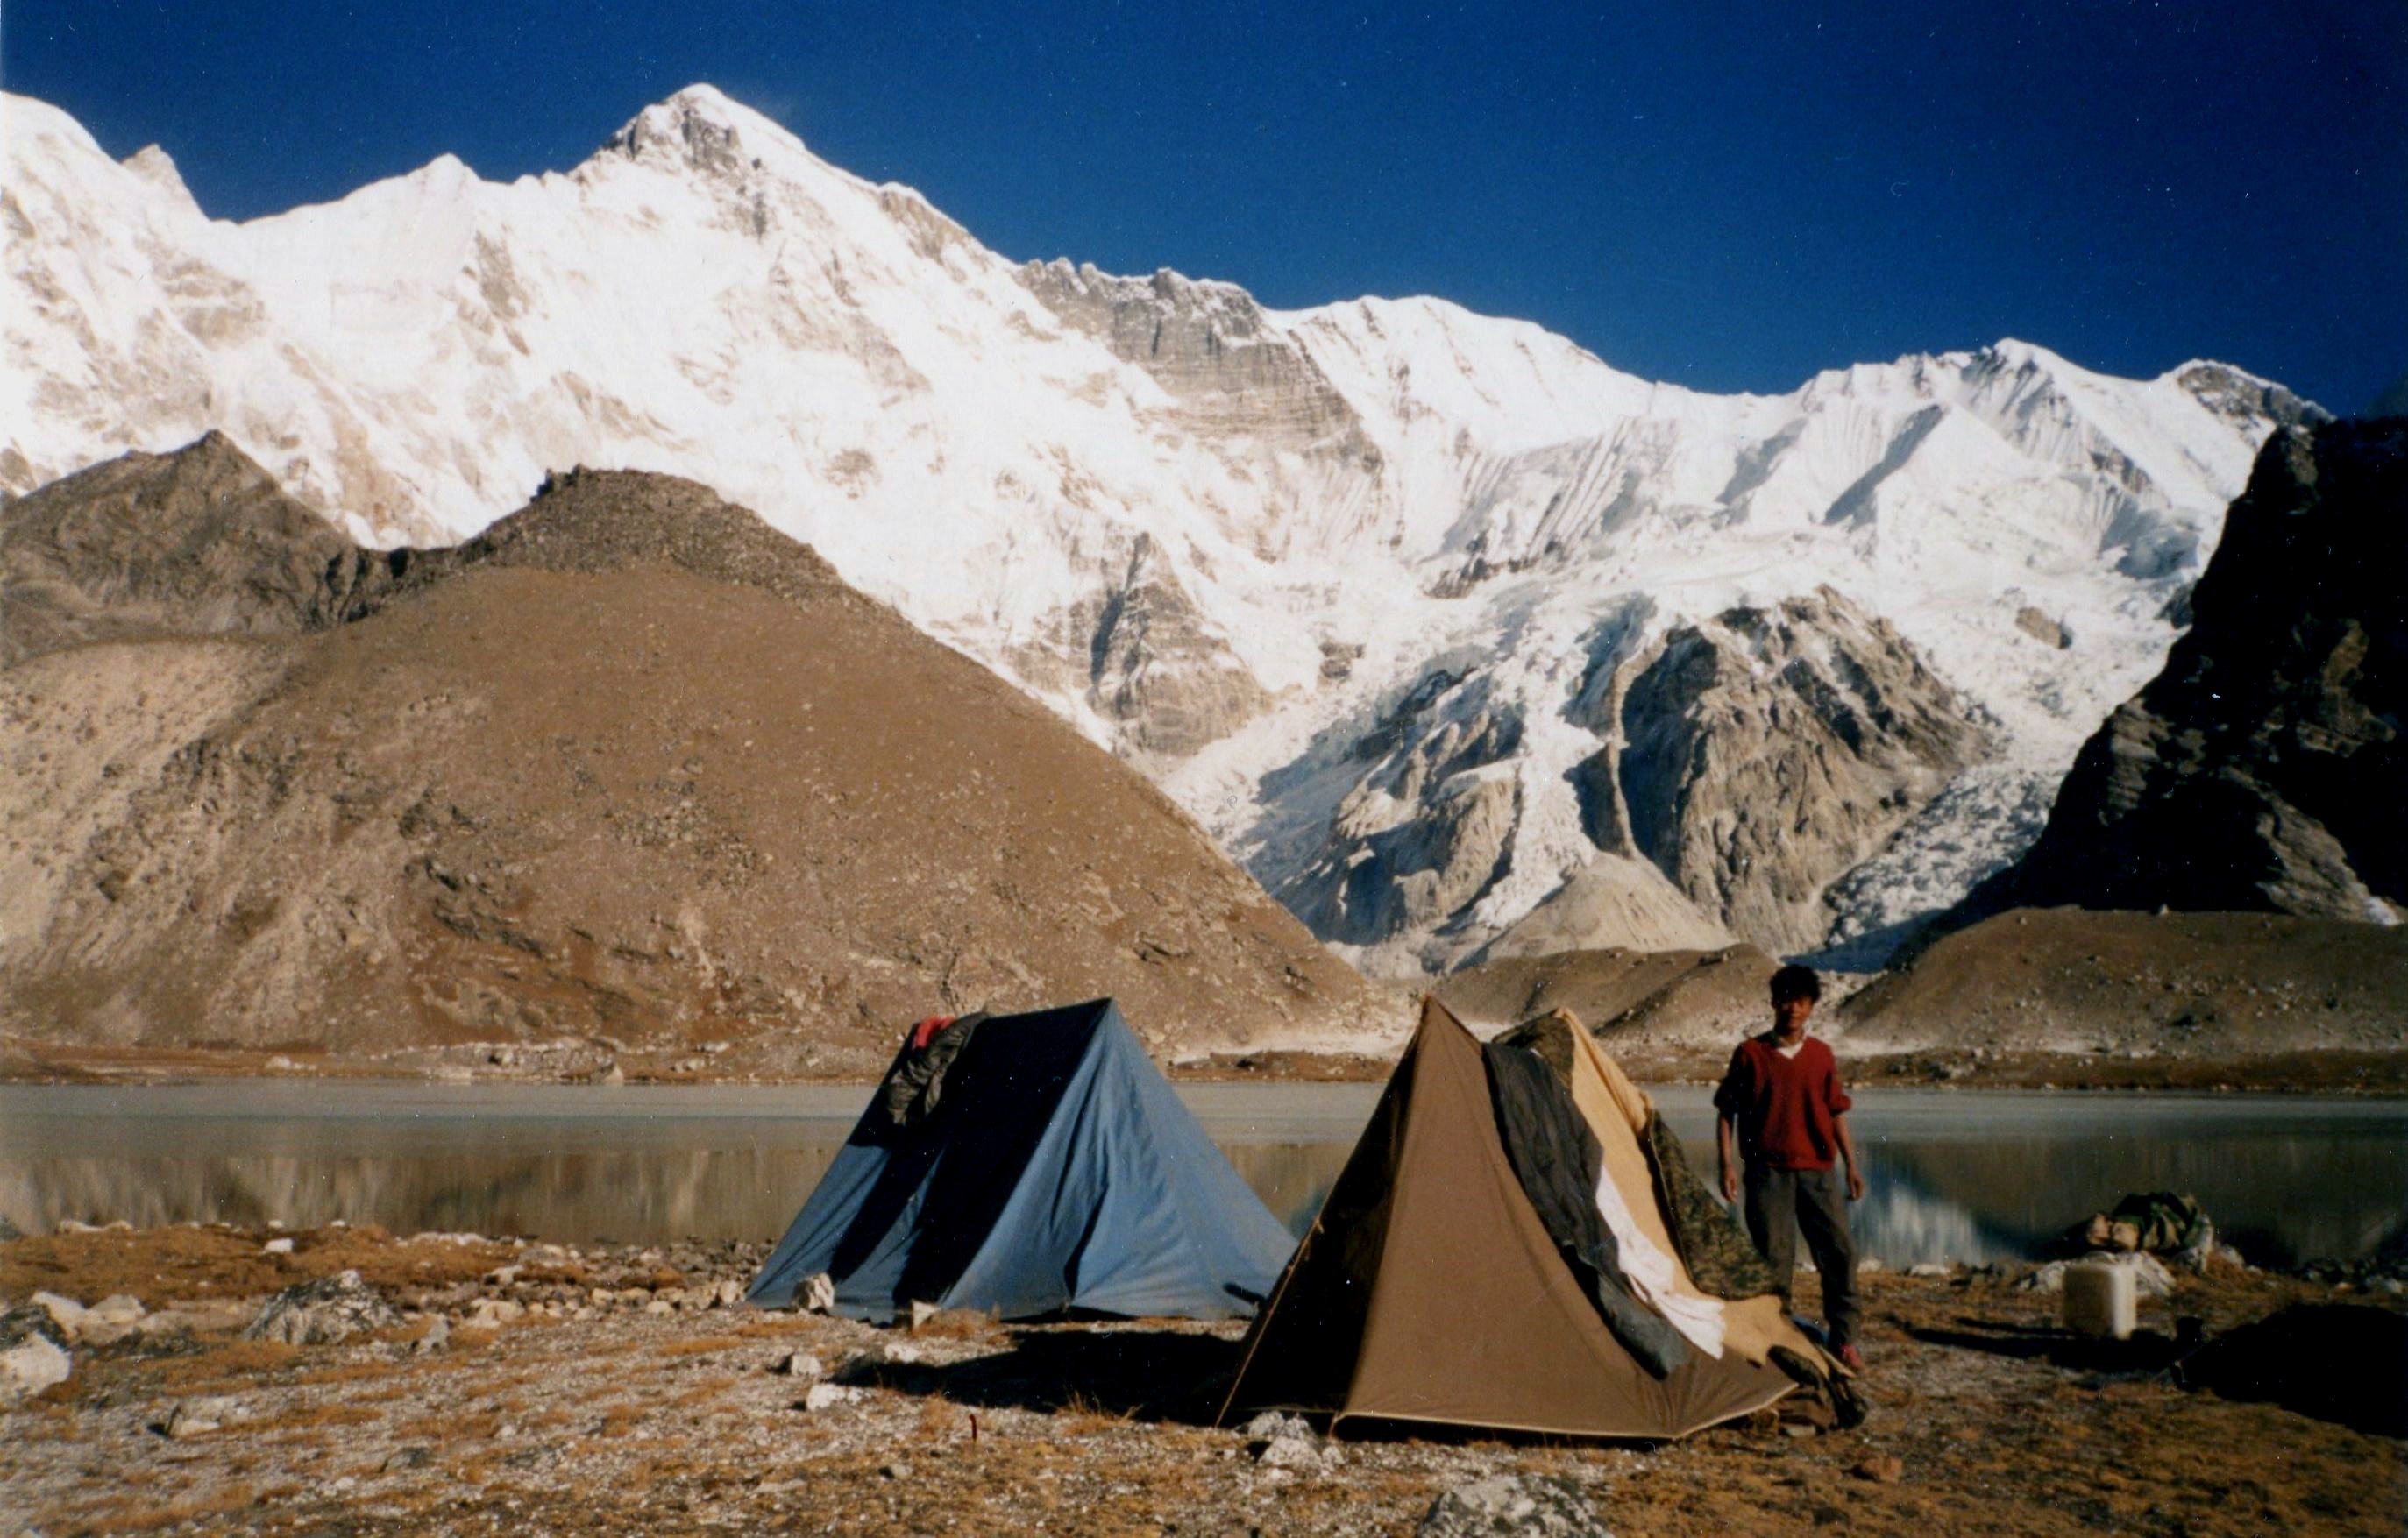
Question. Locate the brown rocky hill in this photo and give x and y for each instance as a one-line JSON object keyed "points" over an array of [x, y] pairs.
{"points": [[2206, 985], [2265, 769], [1643, 1003], [630, 774]]}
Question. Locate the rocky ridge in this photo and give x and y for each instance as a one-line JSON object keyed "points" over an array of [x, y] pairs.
{"points": [[198, 540]]}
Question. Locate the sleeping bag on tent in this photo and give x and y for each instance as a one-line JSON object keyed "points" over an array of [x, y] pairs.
{"points": [[1053, 1168]]}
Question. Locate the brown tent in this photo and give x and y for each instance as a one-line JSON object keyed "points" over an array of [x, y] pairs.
{"points": [[1428, 1289]]}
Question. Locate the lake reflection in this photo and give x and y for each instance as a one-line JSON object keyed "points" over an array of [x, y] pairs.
{"points": [[1970, 1176]]}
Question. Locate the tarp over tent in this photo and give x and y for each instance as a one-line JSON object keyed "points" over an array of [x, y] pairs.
{"points": [[1429, 1288], [1058, 1170]]}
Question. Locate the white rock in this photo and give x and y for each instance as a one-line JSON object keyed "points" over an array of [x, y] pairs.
{"points": [[31, 1365], [191, 1417], [332, 1308], [1928, 1269], [278, 1246], [1271, 1425], [118, 1309], [817, 1294], [68, 1314], [1524, 1505], [800, 1364], [1293, 1452], [728, 1294], [822, 1396]]}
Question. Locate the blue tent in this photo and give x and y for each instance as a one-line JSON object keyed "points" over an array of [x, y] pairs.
{"points": [[1059, 1170]]}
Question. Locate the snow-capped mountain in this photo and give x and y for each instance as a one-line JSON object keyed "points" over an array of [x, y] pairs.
{"points": [[1457, 637]]}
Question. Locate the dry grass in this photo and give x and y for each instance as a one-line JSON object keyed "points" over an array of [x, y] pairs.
{"points": [[703, 1346], [1083, 1416], [709, 1389], [234, 1364], [356, 1372], [308, 1417], [958, 1324], [130, 1514], [942, 1420], [452, 1426], [37, 1421]]}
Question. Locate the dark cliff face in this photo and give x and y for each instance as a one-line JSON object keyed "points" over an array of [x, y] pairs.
{"points": [[2265, 768]]}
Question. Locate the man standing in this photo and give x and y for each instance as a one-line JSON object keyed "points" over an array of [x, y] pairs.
{"points": [[1782, 1095]]}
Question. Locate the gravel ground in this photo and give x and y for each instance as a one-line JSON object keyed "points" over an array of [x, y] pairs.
{"points": [[607, 1389]]}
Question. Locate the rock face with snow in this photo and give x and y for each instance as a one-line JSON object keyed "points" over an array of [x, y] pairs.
{"points": [[1350, 583], [2264, 768], [1766, 752]]}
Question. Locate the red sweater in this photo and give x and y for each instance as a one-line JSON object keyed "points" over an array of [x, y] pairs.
{"points": [[1785, 1106]]}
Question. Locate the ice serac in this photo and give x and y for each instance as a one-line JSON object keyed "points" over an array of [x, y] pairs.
{"points": [[1349, 582], [2262, 770]]}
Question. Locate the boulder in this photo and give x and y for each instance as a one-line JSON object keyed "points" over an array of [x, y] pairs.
{"points": [[197, 1417], [33, 1355], [1521, 1505], [1289, 1442], [822, 1396], [332, 1308], [65, 1313]]}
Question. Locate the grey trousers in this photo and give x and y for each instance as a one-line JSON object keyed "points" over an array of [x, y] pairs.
{"points": [[1781, 1203]]}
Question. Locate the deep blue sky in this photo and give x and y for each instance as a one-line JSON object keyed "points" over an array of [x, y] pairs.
{"points": [[1729, 195]]}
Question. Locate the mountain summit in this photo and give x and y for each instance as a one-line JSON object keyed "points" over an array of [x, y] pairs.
{"points": [[1416, 609]]}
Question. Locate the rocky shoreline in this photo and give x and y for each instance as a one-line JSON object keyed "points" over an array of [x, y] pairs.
{"points": [[2328, 1072], [341, 1379]]}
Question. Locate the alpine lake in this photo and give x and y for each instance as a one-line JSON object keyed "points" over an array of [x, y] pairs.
{"points": [[1964, 1175]]}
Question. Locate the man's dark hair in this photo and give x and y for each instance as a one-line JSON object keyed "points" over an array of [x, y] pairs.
{"points": [[1796, 982]]}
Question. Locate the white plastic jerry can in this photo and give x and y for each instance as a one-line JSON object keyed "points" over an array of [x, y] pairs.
{"points": [[2100, 1300]]}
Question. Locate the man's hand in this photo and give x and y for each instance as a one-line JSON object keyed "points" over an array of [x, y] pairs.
{"points": [[1730, 1183], [1855, 1182]]}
